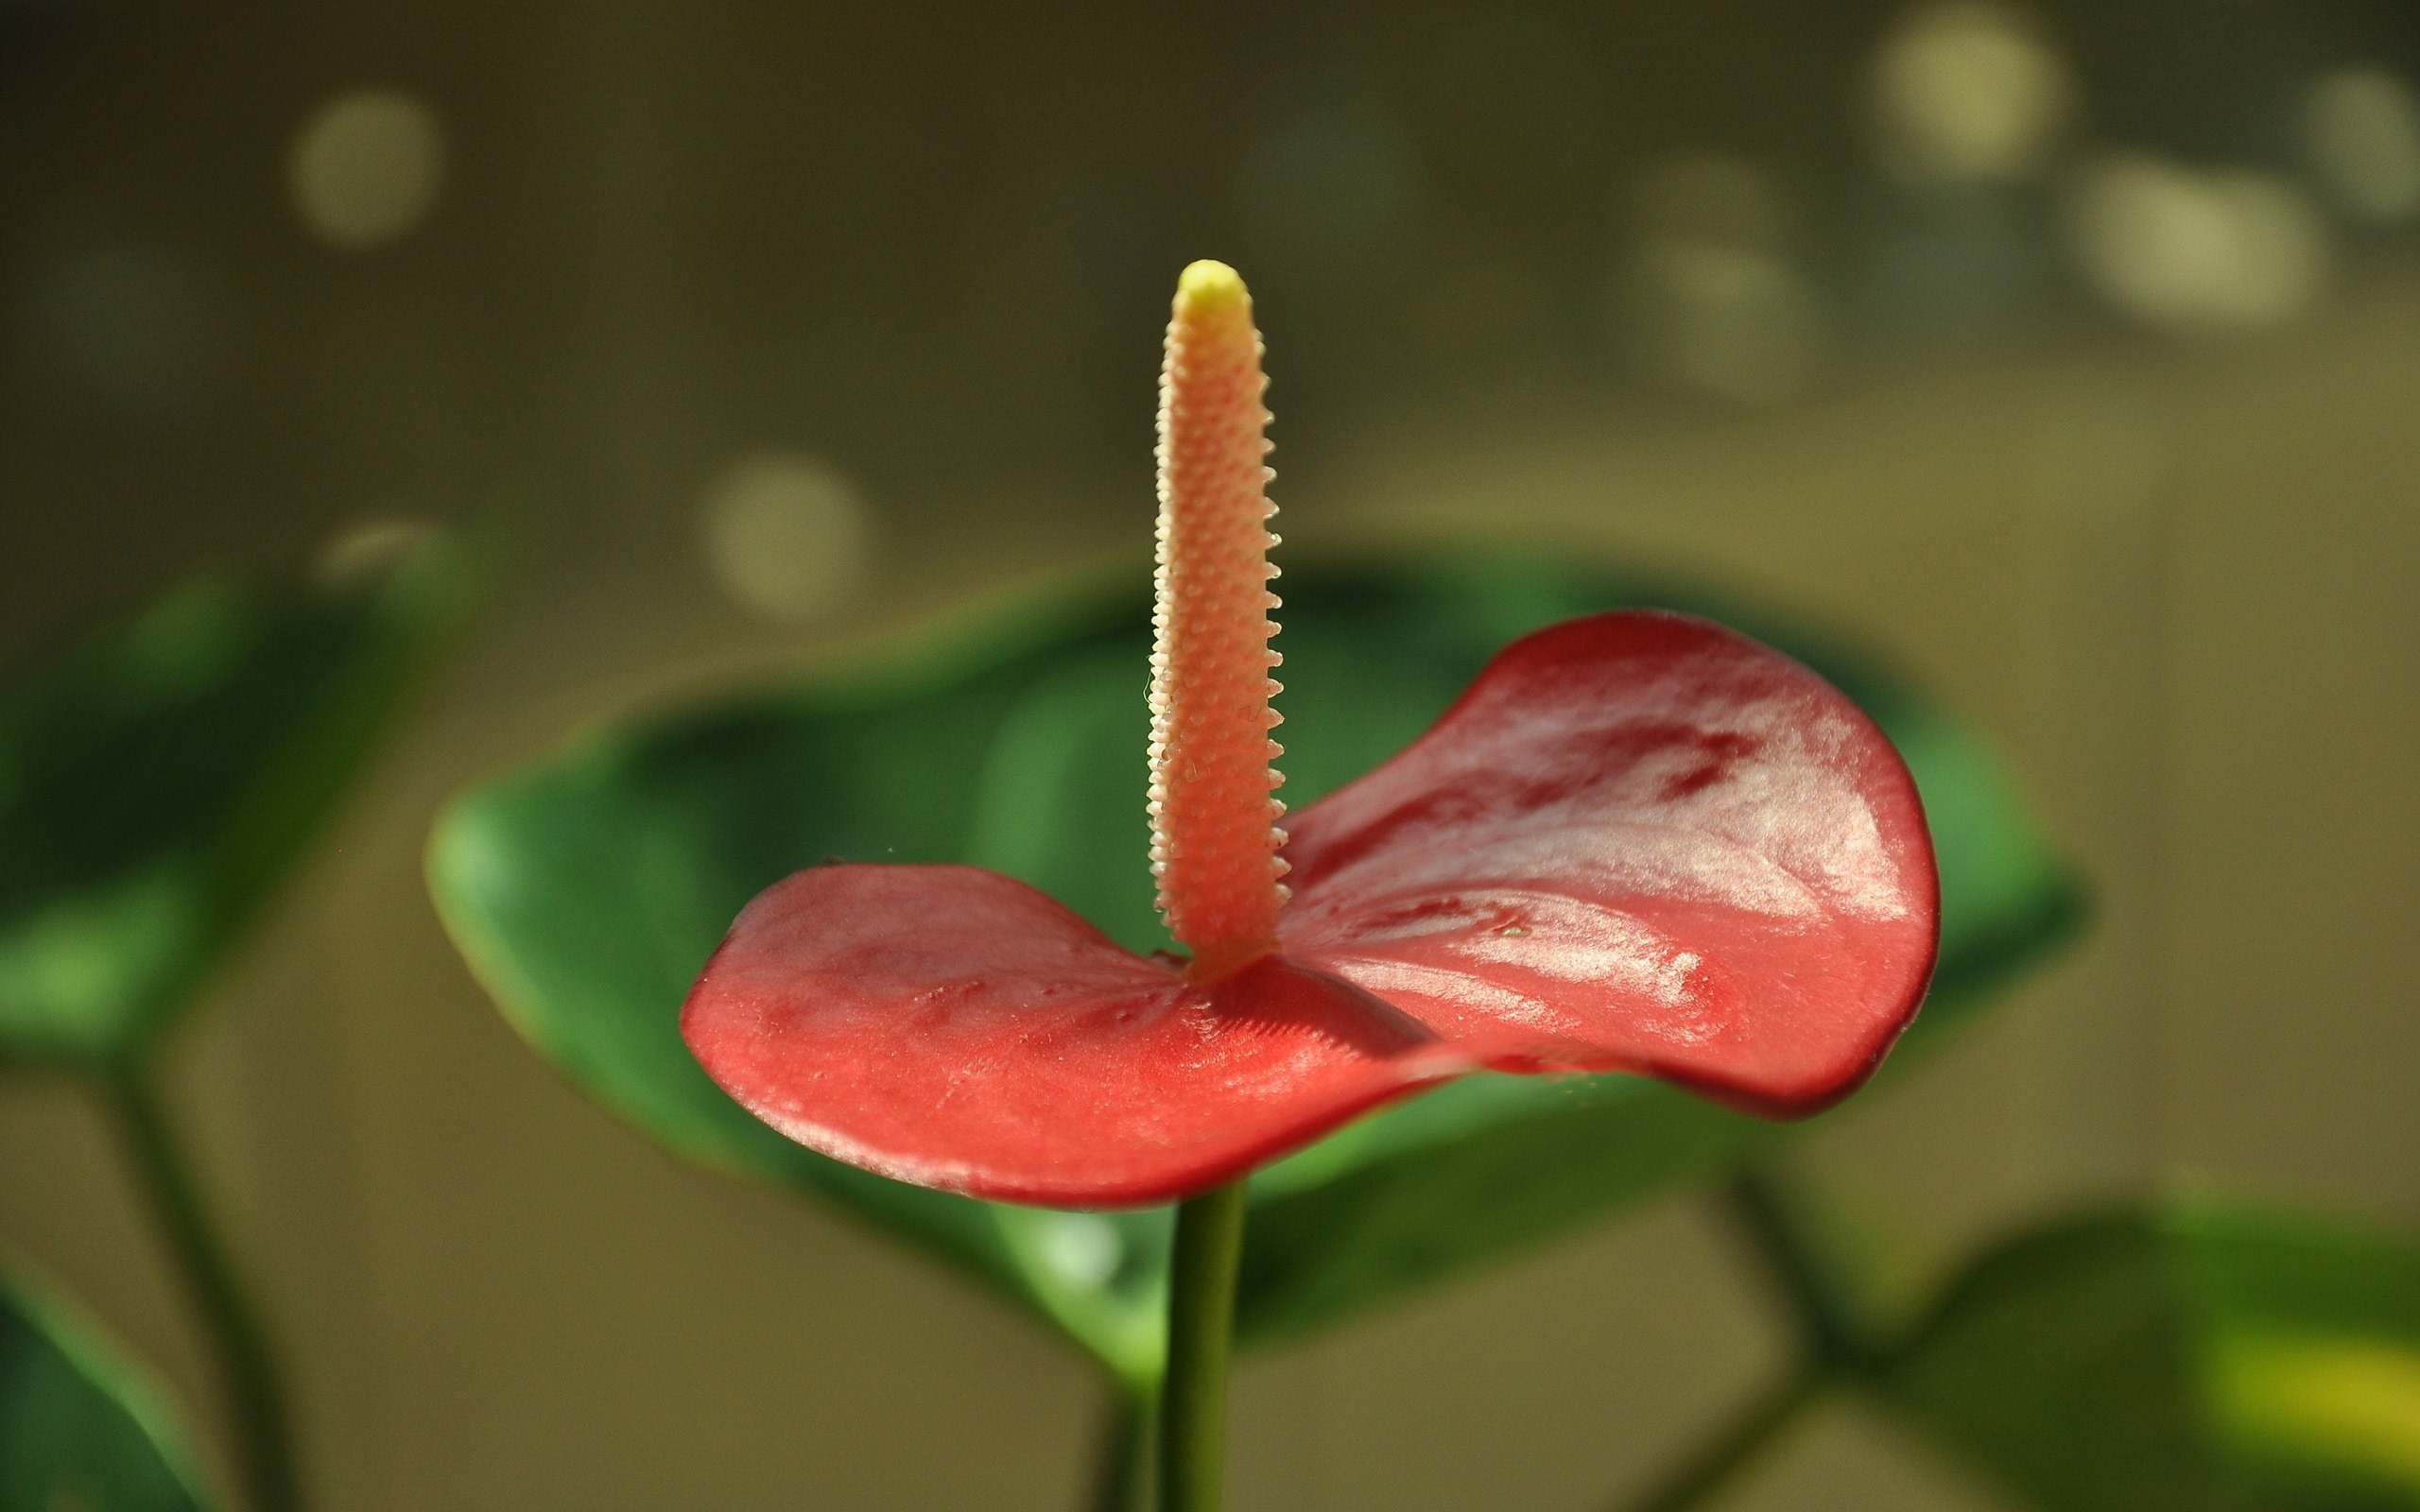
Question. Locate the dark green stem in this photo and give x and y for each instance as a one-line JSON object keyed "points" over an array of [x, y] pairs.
{"points": [[1740, 1444], [1120, 1453], [246, 1372], [1201, 1325], [1832, 1345], [1828, 1331]]}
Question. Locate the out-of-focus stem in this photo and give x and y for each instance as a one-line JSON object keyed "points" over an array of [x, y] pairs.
{"points": [[1829, 1329], [247, 1372], [1738, 1445], [1201, 1325], [1832, 1348], [1120, 1452]]}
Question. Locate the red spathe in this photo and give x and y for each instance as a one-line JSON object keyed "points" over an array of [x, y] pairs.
{"points": [[1639, 842]]}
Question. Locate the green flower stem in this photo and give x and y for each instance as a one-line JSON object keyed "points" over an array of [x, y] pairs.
{"points": [[1833, 1347], [1201, 1325], [247, 1370], [1121, 1451], [1740, 1444], [1829, 1329]]}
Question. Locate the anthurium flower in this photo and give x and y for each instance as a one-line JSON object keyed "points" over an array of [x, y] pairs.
{"points": [[1638, 842]]}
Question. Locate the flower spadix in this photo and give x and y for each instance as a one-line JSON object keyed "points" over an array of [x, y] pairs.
{"points": [[1638, 842], [1214, 823]]}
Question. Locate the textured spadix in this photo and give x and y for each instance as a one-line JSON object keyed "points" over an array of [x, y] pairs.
{"points": [[1213, 820]]}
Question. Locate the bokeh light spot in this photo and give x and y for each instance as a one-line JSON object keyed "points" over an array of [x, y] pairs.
{"points": [[1737, 323], [786, 536], [360, 554], [2362, 127], [2199, 251], [1965, 92], [1083, 1247], [367, 166], [1724, 310]]}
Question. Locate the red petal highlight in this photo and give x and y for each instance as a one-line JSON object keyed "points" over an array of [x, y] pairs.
{"points": [[954, 1028], [1649, 838]]}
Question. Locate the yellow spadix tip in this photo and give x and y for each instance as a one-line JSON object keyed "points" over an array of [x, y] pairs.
{"points": [[1208, 284]]}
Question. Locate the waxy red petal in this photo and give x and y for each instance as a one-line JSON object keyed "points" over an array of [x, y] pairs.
{"points": [[954, 1028], [1638, 842], [1647, 835]]}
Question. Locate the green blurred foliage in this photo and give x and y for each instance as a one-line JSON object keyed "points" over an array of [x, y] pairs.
{"points": [[588, 890], [2197, 1357], [158, 776], [79, 1430]]}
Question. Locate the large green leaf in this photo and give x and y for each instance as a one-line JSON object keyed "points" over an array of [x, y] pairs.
{"points": [[157, 777], [586, 892], [2201, 1358], [79, 1430]]}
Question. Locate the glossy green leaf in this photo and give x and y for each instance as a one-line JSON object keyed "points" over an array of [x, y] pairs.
{"points": [[2200, 1358], [587, 892], [80, 1431], [157, 778]]}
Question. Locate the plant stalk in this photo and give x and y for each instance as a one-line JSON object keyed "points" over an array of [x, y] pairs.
{"points": [[1120, 1452], [1832, 1345], [1740, 1445], [1201, 1325], [1829, 1332], [247, 1370]]}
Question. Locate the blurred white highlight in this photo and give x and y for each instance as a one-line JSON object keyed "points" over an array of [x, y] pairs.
{"points": [[362, 554], [367, 166], [2189, 249], [1083, 1247], [786, 536], [1965, 91]]}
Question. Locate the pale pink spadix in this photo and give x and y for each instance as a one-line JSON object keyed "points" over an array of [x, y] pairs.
{"points": [[1214, 816]]}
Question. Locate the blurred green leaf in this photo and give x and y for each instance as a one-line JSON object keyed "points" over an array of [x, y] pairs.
{"points": [[587, 892], [79, 1430], [2201, 1357], [157, 778]]}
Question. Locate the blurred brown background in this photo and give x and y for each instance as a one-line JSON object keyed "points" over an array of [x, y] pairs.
{"points": [[2070, 356]]}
